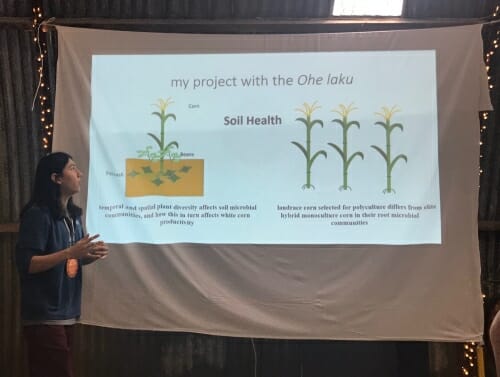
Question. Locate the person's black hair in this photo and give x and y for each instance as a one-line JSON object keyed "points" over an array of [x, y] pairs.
{"points": [[46, 193]]}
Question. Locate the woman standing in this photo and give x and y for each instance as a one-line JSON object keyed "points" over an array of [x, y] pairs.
{"points": [[50, 253]]}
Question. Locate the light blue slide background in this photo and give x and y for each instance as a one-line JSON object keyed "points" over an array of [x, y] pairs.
{"points": [[258, 165]]}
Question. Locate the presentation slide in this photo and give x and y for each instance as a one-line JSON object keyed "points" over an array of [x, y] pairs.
{"points": [[265, 148]]}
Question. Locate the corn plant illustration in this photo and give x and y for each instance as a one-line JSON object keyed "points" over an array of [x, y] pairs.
{"points": [[308, 111], [344, 122], [165, 150], [387, 115]]}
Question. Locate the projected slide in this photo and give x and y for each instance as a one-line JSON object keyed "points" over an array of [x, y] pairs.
{"points": [[270, 148]]}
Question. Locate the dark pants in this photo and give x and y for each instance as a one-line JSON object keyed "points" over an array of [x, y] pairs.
{"points": [[49, 350]]}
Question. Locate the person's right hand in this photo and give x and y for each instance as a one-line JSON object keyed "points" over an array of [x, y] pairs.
{"points": [[83, 248]]}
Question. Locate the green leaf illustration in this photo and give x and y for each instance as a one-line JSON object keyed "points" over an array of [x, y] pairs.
{"points": [[173, 177], [146, 169], [157, 181]]}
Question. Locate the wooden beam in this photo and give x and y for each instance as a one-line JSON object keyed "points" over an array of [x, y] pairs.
{"points": [[264, 21], [240, 26], [489, 226], [9, 228], [20, 22]]}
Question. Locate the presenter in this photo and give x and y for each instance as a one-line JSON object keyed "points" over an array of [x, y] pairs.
{"points": [[51, 250], [494, 334]]}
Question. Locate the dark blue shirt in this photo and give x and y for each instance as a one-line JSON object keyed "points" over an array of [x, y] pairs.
{"points": [[51, 294]]}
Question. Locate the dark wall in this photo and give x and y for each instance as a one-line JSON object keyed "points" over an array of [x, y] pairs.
{"points": [[111, 352]]}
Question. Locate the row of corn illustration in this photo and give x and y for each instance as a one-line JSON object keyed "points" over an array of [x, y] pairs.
{"points": [[345, 123]]}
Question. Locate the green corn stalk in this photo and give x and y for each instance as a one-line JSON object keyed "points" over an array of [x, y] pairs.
{"points": [[162, 114], [386, 155], [344, 111], [308, 110]]}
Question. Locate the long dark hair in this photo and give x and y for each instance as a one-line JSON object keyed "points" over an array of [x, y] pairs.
{"points": [[46, 193]]}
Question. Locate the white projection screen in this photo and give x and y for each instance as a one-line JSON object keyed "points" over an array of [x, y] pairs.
{"points": [[308, 186]]}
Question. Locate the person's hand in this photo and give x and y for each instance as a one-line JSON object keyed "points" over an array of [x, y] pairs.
{"points": [[99, 250], [84, 248]]}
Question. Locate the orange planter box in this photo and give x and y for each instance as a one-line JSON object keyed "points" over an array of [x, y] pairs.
{"points": [[176, 178]]}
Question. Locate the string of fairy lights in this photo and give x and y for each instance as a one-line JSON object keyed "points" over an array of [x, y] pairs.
{"points": [[472, 353], [488, 56], [42, 98], [470, 360]]}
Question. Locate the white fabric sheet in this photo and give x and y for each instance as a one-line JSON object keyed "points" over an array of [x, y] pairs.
{"points": [[360, 292]]}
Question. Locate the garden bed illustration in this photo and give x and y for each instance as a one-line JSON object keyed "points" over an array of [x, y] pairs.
{"points": [[167, 178]]}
